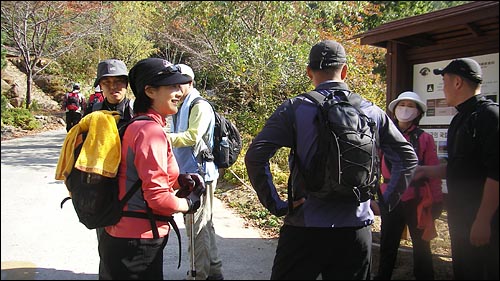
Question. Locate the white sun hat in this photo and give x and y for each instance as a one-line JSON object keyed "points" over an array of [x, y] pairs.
{"points": [[186, 70], [408, 96]]}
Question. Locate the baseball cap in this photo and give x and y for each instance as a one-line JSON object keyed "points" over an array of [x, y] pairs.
{"points": [[408, 96], [326, 54], [155, 72], [467, 68], [186, 70], [110, 67]]}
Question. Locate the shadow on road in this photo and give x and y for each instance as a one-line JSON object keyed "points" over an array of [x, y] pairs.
{"points": [[38, 151], [44, 274]]}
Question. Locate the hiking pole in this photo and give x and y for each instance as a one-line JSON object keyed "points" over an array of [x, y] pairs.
{"points": [[192, 272]]}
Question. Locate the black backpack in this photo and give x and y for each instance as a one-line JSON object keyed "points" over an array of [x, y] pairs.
{"points": [[227, 139], [95, 197], [345, 165]]}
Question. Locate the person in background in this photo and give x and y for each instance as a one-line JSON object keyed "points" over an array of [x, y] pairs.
{"points": [[471, 173], [192, 138], [129, 249], [320, 236], [420, 204], [94, 98], [112, 78], [74, 105]]}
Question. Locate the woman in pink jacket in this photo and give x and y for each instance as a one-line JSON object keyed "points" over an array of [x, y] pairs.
{"points": [[133, 248], [420, 204]]}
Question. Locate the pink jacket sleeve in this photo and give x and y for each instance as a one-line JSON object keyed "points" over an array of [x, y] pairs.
{"points": [[428, 154]]}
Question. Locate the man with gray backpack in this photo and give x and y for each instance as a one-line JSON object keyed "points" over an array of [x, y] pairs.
{"points": [[193, 137], [334, 135]]}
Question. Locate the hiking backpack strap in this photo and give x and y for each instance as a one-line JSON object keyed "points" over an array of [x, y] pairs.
{"points": [[293, 151], [199, 159], [193, 103], [472, 120], [317, 98], [414, 136]]}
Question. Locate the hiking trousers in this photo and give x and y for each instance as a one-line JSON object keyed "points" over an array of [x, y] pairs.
{"points": [[336, 253], [393, 224], [471, 262], [206, 257], [72, 118], [131, 258]]}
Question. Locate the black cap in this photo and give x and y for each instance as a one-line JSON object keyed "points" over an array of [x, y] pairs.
{"points": [[111, 67], [467, 68], [326, 54], [155, 72]]}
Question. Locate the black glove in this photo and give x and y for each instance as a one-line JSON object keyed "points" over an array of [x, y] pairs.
{"points": [[186, 183], [437, 209], [193, 198]]}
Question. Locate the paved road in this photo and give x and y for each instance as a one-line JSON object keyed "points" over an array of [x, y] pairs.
{"points": [[41, 241]]}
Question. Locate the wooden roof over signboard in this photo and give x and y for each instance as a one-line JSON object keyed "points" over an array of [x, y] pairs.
{"points": [[465, 26], [467, 30]]}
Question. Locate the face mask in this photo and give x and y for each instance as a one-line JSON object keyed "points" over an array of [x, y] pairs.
{"points": [[406, 114]]}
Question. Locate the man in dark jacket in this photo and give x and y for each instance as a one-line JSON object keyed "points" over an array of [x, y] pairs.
{"points": [[471, 173], [320, 236]]}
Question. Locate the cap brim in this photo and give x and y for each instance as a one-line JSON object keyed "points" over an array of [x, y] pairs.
{"points": [[97, 80], [172, 79], [438, 71]]}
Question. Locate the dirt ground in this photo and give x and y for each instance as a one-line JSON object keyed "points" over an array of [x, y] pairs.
{"points": [[404, 264]]}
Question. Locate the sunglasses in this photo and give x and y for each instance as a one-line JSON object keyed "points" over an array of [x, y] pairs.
{"points": [[171, 69]]}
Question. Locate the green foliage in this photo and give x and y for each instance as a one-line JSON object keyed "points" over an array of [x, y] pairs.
{"points": [[127, 38], [253, 55], [4, 52], [19, 117], [395, 10], [4, 103], [249, 57]]}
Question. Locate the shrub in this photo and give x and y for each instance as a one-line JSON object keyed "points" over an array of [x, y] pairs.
{"points": [[19, 117]]}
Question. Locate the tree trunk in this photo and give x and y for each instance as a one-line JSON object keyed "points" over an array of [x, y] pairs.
{"points": [[29, 83]]}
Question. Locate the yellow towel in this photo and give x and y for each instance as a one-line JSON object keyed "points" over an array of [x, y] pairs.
{"points": [[101, 151]]}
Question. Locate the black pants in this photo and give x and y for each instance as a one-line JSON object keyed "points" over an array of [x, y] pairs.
{"points": [[471, 262], [392, 227], [131, 258], [72, 118], [336, 253]]}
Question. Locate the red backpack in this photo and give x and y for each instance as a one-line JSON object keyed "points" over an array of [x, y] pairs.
{"points": [[73, 101], [95, 98]]}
